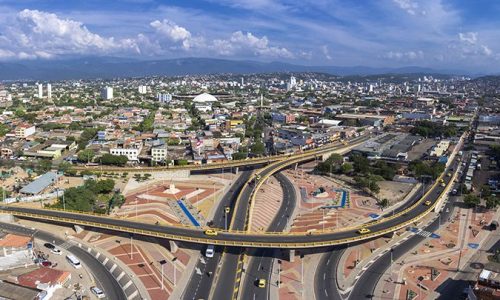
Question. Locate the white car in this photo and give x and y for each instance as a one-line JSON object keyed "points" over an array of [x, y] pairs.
{"points": [[56, 251], [98, 292]]}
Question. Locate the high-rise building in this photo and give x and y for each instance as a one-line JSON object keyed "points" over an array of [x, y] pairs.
{"points": [[40, 90], [107, 93], [49, 90], [143, 89], [164, 98], [293, 81]]}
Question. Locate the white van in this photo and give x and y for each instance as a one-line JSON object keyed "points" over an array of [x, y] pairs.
{"points": [[73, 261], [210, 251]]}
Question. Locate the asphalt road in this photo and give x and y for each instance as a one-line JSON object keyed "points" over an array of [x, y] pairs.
{"points": [[238, 222], [365, 286], [103, 278], [325, 283], [200, 283], [261, 263]]}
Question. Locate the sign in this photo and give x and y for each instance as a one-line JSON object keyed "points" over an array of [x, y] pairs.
{"points": [[473, 245]]}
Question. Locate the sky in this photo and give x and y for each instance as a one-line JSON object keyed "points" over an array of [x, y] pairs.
{"points": [[444, 34]]}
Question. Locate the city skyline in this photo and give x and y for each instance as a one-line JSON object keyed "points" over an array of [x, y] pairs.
{"points": [[392, 33]]}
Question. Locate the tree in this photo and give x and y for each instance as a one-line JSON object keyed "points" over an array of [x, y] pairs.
{"points": [[492, 202], [472, 200], [374, 187], [86, 155], [240, 155], [110, 159], [258, 148], [64, 167], [100, 187], [384, 203], [43, 166], [78, 198], [2, 191], [346, 168]]}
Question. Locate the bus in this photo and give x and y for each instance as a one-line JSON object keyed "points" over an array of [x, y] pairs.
{"points": [[73, 261]]}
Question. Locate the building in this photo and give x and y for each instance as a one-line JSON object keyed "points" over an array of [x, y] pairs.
{"points": [[159, 153], [46, 279], [164, 98], [440, 148], [49, 91], [24, 130], [15, 251], [205, 98], [9, 290], [132, 154], [107, 93], [40, 184], [40, 90], [142, 89]]}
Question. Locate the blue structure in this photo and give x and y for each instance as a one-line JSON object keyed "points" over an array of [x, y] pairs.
{"points": [[188, 213]]}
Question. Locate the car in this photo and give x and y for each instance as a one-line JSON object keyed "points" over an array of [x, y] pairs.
{"points": [[441, 180], [56, 251], [363, 230], [442, 184], [210, 251], [261, 283], [449, 174], [46, 263], [210, 232], [427, 203], [49, 246], [97, 292]]}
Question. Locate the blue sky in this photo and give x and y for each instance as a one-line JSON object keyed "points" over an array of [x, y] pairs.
{"points": [[451, 34]]}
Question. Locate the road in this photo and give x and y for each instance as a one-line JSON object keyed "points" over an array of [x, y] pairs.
{"points": [[261, 263], [326, 287], [200, 283], [365, 286], [103, 278], [235, 238]]}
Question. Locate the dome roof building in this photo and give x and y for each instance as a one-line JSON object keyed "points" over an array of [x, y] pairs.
{"points": [[204, 98]]}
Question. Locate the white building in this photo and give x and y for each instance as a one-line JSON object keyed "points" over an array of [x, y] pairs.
{"points": [[131, 153], [40, 90], [143, 89], [159, 153], [164, 98], [107, 93], [204, 98], [49, 90], [24, 130]]}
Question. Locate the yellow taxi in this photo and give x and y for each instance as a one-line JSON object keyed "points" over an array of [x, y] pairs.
{"points": [[363, 230], [427, 203], [210, 232], [261, 283]]}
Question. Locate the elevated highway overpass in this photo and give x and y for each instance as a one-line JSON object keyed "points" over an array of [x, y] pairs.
{"points": [[251, 239]]}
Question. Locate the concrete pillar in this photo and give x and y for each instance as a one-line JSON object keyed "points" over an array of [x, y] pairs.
{"points": [[173, 246], [79, 228], [296, 166], [236, 170], [290, 255]]}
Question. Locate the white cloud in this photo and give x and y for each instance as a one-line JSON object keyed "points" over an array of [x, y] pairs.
{"points": [[409, 6], [408, 56], [326, 52], [259, 46], [173, 32], [468, 37], [36, 34]]}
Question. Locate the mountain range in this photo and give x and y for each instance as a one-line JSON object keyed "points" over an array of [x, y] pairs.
{"points": [[111, 67]]}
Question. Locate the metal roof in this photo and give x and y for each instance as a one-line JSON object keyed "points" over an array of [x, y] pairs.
{"points": [[39, 184]]}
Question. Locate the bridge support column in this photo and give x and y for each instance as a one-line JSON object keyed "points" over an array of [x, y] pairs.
{"points": [[78, 228], [290, 255], [296, 166], [236, 170], [173, 246]]}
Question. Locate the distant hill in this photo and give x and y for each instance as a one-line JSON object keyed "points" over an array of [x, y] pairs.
{"points": [[109, 67]]}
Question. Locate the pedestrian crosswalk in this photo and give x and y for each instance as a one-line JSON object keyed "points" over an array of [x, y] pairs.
{"points": [[66, 245], [423, 232]]}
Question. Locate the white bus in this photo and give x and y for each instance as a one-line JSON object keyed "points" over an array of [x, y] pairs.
{"points": [[73, 261]]}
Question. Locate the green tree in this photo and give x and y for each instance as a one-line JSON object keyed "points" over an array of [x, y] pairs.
{"points": [[361, 164], [384, 203], [117, 160], [43, 166], [492, 202], [374, 187], [240, 155], [472, 200], [346, 168], [258, 148], [78, 198], [86, 155]]}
